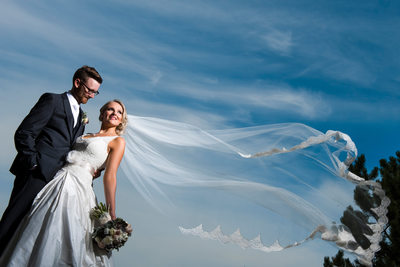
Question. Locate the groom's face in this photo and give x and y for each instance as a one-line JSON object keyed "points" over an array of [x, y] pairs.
{"points": [[85, 90]]}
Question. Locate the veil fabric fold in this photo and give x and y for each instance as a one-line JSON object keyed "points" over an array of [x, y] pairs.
{"points": [[281, 184]]}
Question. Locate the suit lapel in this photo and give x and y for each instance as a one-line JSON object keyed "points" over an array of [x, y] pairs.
{"points": [[68, 112]]}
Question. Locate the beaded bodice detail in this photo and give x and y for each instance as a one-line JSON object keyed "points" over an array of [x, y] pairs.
{"points": [[90, 152]]}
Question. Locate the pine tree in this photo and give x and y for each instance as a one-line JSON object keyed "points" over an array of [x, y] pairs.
{"points": [[358, 168], [389, 254], [339, 261]]}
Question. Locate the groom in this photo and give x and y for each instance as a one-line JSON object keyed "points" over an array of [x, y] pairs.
{"points": [[43, 140]]}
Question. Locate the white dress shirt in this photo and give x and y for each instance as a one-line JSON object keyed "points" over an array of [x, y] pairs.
{"points": [[74, 107]]}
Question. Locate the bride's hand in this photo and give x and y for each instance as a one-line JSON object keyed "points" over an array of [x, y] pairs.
{"points": [[112, 214]]}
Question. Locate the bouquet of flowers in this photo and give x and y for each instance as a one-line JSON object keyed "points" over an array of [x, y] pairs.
{"points": [[109, 234]]}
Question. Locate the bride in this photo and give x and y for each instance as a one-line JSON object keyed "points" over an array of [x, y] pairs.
{"points": [[56, 231]]}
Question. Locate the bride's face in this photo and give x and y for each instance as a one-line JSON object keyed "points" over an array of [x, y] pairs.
{"points": [[112, 116]]}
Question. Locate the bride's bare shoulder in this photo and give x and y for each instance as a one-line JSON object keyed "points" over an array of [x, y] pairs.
{"points": [[117, 143]]}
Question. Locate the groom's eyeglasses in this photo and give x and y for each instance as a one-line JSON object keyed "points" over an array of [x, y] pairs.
{"points": [[90, 91]]}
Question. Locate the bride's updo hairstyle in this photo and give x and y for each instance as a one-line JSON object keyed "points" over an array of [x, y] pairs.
{"points": [[121, 127]]}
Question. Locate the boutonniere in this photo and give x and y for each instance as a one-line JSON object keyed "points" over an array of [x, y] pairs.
{"points": [[85, 118]]}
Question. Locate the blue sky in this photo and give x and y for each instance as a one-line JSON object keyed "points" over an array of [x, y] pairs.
{"points": [[215, 64]]}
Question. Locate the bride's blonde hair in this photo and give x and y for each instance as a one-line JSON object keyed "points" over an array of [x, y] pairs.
{"points": [[121, 127]]}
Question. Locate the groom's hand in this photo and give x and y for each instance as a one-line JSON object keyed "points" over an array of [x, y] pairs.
{"points": [[97, 173]]}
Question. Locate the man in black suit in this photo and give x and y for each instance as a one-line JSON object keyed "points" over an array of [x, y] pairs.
{"points": [[43, 140]]}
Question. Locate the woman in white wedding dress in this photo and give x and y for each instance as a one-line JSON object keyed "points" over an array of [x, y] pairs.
{"points": [[56, 231]]}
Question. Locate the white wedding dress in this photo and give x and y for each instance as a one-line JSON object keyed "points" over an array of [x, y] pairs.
{"points": [[56, 231]]}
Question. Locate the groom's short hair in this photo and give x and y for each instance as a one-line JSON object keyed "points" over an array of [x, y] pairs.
{"points": [[85, 72]]}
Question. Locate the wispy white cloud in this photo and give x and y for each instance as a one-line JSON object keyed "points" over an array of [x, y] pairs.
{"points": [[156, 78], [182, 113], [277, 97], [279, 41]]}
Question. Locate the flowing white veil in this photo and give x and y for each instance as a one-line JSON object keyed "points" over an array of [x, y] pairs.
{"points": [[281, 184]]}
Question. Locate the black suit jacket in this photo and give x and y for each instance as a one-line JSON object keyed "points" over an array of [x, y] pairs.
{"points": [[45, 136]]}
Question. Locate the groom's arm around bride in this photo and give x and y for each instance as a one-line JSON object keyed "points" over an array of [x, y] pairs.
{"points": [[43, 140]]}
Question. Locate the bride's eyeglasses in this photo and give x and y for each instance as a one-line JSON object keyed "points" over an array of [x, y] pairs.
{"points": [[90, 91]]}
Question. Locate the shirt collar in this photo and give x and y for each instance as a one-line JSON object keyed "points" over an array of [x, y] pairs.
{"points": [[72, 100]]}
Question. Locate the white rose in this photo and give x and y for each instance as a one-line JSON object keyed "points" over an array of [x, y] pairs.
{"points": [[128, 228], [104, 218], [108, 240]]}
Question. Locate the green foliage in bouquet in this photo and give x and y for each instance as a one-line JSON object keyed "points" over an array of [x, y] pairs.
{"points": [[99, 211]]}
